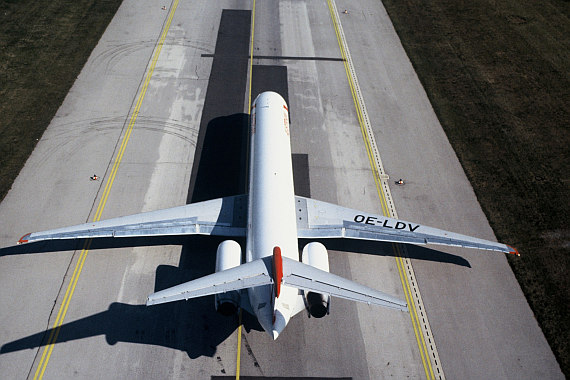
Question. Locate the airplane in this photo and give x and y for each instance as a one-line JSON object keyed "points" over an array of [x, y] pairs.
{"points": [[272, 283]]}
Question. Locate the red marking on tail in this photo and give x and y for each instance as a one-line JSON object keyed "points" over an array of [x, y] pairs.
{"points": [[23, 240], [514, 250], [277, 270]]}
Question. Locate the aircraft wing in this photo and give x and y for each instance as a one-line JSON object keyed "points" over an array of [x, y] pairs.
{"points": [[245, 276], [316, 219], [222, 217]]}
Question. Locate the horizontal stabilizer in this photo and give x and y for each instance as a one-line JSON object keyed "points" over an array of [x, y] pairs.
{"points": [[257, 273], [245, 276], [317, 220], [220, 217], [306, 277]]}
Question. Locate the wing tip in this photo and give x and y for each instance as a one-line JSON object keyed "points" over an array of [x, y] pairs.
{"points": [[513, 250], [24, 239]]}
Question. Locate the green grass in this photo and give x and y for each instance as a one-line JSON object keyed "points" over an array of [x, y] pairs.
{"points": [[43, 46], [497, 75]]}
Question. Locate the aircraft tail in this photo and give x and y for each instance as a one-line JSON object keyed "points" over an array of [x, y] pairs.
{"points": [[294, 274]]}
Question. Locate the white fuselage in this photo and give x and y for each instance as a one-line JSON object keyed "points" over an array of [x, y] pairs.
{"points": [[271, 214]]}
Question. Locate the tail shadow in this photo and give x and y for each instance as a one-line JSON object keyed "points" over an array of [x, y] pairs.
{"points": [[192, 326]]}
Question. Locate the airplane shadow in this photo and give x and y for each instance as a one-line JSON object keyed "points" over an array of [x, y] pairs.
{"points": [[343, 245], [192, 326], [389, 249], [220, 163]]}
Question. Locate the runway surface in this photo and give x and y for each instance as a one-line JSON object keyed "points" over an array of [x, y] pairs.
{"points": [[159, 113]]}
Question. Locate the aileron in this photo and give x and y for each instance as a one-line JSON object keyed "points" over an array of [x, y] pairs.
{"points": [[326, 220]]}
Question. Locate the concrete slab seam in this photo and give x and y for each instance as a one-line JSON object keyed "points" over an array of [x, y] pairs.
{"points": [[239, 332], [79, 266], [404, 264]]}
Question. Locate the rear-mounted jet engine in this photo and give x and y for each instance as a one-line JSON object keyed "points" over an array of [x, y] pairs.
{"points": [[228, 256], [315, 254]]}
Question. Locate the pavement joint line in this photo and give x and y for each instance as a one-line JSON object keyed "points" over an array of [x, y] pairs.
{"points": [[251, 55], [79, 266], [425, 321], [238, 354], [410, 300], [238, 365], [279, 57], [405, 270]]}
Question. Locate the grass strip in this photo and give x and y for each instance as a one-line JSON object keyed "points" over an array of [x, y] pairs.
{"points": [[43, 47], [497, 75]]}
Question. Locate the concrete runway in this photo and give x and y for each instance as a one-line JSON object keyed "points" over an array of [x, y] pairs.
{"points": [[482, 326]]}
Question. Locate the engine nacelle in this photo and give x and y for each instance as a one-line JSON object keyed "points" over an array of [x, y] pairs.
{"points": [[315, 254], [228, 256]]}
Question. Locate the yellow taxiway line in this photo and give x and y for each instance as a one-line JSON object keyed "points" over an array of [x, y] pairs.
{"points": [[371, 152], [110, 179], [239, 332], [373, 158]]}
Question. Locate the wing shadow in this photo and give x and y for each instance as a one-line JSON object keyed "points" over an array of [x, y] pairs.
{"points": [[343, 245], [389, 249], [192, 326]]}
